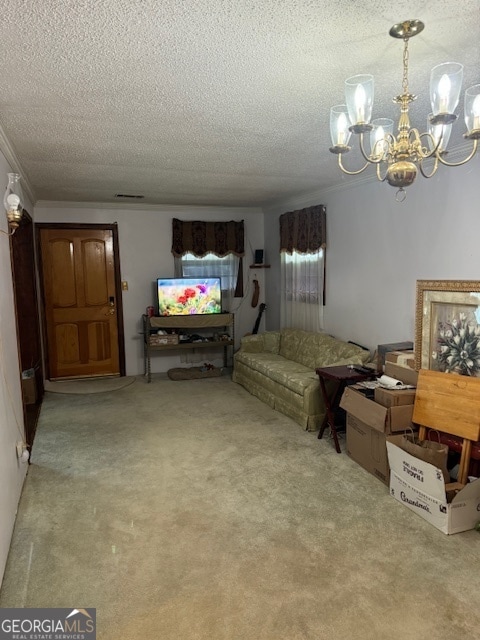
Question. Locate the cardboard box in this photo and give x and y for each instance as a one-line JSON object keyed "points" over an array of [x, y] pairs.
{"points": [[402, 358], [420, 487], [385, 420], [367, 447], [405, 374], [383, 349], [368, 424], [394, 397], [29, 386]]}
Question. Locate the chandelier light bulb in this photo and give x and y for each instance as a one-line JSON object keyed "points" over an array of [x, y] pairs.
{"points": [[342, 129], [13, 198], [359, 92], [377, 142], [360, 100], [476, 112], [379, 134], [339, 128], [13, 201], [472, 112], [444, 87]]}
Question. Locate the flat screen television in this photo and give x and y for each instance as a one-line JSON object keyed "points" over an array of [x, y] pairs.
{"points": [[189, 296]]}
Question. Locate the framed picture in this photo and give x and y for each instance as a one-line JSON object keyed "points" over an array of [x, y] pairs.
{"points": [[447, 326]]}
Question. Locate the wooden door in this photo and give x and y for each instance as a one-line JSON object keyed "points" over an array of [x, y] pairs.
{"points": [[81, 298]]}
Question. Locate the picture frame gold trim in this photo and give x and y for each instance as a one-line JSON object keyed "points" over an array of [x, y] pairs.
{"points": [[437, 301]]}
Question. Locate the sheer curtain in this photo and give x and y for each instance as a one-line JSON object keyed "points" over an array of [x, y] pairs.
{"points": [[302, 282], [302, 249], [189, 266]]}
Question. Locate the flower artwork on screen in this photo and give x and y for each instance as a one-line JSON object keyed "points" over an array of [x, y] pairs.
{"points": [[189, 296]]}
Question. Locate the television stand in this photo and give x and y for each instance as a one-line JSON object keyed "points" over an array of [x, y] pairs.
{"points": [[216, 330]]}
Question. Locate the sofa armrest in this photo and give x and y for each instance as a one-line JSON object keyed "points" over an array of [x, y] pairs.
{"points": [[268, 341], [252, 344]]}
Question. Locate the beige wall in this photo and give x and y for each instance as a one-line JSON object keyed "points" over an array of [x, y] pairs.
{"points": [[145, 239], [378, 248], [12, 472]]}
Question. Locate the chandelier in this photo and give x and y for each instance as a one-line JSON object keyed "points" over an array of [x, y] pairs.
{"points": [[399, 158]]}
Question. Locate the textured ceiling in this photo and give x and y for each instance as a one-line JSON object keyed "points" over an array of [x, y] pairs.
{"points": [[220, 102]]}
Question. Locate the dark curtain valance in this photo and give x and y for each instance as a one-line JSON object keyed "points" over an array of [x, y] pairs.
{"points": [[200, 238], [304, 231]]}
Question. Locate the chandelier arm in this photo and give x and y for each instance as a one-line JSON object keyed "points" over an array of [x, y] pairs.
{"points": [[434, 170], [350, 173], [435, 151], [459, 164], [369, 159], [379, 175]]}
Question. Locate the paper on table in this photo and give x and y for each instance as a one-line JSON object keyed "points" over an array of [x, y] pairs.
{"points": [[392, 383], [387, 381]]}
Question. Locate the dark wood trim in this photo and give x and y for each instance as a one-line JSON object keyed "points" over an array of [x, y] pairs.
{"points": [[119, 300], [27, 317], [118, 283], [324, 276], [43, 329]]}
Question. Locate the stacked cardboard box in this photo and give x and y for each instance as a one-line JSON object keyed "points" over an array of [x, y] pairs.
{"points": [[369, 423], [420, 487], [383, 349], [394, 397], [401, 365]]}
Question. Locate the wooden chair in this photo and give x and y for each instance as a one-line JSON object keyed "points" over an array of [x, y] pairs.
{"points": [[449, 403]]}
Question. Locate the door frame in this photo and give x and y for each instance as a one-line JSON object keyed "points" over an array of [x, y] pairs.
{"points": [[118, 284], [31, 411]]}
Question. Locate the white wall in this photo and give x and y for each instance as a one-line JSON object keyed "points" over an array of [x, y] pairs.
{"points": [[145, 239], [378, 248], [12, 472]]}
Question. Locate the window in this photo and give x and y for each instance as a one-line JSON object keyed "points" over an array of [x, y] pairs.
{"points": [[191, 266], [209, 266], [303, 235], [302, 277]]}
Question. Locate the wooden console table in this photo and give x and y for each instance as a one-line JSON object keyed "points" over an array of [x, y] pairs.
{"points": [[341, 376], [207, 325]]}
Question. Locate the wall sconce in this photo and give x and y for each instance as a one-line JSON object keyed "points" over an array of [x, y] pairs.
{"points": [[13, 203]]}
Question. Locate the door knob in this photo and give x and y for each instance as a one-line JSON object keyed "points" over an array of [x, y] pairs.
{"points": [[111, 304]]}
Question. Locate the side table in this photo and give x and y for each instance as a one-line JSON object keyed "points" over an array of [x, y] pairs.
{"points": [[341, 376]]}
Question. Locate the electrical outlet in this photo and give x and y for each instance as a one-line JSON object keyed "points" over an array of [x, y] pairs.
{"points": [[124, 285]]}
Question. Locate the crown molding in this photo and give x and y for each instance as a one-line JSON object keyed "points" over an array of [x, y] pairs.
{"points": [[135, 206]]}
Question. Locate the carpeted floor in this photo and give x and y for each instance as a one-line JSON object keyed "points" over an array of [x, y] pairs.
{"points": [[190, 510], [89, 385]]}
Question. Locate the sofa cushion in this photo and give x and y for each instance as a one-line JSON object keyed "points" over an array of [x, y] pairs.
{"points": [[271, 341], [289, 374], [296, 381], [314, 349]]}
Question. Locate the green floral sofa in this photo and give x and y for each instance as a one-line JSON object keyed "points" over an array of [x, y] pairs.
{"points": [[279, 368]]}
